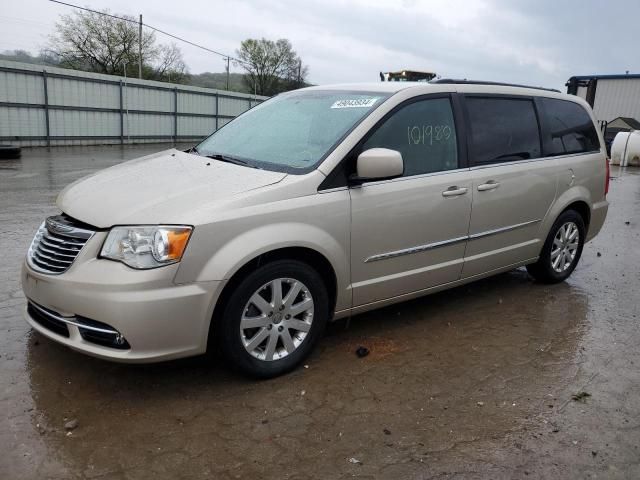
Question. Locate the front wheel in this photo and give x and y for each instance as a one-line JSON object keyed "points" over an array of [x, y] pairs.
{"points": [[274, 318], [561, 250]]}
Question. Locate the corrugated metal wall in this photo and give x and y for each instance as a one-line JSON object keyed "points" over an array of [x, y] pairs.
{"points": [[52, 106], [617, 98], [582, 92]]}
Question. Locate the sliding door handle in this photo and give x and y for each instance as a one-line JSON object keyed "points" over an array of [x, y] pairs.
{"points": [[490, 185], [454, 191]]}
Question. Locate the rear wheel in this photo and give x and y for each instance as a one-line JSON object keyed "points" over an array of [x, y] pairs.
{"points": [[274, 318], [562, 249]]}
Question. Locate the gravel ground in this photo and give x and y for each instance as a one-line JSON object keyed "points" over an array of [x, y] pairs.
{"points": [[475, 382]]}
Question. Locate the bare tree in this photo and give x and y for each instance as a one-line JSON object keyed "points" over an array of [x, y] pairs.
{"points": [[297, 77], [169, 65], [104, 44], [271, 67]]}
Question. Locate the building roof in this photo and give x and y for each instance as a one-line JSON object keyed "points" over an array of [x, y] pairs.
{"points": [[632, 122], [614, 76]]}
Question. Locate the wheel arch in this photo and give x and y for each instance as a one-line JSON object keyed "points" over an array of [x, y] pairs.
{"points": [[577, 198], [309, 256], [583, 209]]}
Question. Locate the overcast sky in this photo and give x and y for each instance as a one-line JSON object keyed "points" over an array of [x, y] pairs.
{"points": [[539, 42]]}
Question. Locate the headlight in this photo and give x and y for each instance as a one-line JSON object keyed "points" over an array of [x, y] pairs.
{"points": [[146, 247]]}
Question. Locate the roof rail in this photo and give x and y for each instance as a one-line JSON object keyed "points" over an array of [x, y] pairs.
{"points": [[483, 82]]}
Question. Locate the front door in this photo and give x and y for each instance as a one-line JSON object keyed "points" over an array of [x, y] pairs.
{"points": [[409, 233]]}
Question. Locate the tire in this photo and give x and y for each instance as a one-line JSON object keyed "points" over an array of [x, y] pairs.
{"points": [[560, 253], [263, 336], [9, 152]]}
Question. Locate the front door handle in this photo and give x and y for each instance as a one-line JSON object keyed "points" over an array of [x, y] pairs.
{"points": [[454, 191], [490, 185]]}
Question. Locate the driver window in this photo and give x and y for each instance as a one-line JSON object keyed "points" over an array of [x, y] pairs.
{"points": [[424, 133]]}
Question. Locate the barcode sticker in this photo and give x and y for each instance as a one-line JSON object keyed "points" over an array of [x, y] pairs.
{"points": [[354, 103]]}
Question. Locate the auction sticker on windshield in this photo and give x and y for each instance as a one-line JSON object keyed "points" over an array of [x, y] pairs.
{"points": [[354, 103]]}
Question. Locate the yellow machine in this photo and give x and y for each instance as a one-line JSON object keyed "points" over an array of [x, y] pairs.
{"points": [[406, 76]]}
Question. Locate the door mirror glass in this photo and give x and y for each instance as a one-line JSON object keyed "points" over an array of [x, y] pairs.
{"points": [[378, 164]]}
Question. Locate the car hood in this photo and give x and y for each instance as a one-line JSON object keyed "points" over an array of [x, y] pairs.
{"points": [[166, 187]]}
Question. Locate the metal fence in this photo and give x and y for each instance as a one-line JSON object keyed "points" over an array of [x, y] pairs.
{"points": [[53, 106]]}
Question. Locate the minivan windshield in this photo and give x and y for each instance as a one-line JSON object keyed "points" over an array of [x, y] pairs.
{"points": [[292, 132]]}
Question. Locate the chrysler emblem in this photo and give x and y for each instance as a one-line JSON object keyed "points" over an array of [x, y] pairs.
{"points": [[58, 227]]}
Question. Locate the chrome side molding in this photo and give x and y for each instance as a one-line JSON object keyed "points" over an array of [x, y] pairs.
{"points": [[431, 246], [417, 249], [502, 229]]}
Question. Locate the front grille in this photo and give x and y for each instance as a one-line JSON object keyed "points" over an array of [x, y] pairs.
{"points": [[57, 244]]}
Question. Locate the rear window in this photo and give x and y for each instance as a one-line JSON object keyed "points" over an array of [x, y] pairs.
{"points": [[503, 129], [570, 128]]}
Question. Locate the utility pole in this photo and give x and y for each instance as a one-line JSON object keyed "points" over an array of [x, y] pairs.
{"points": [[299, 73], [228, 73], [124, 68], [140, 48]]}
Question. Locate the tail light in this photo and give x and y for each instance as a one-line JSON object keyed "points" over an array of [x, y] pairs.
{"points": [[608, 176]]}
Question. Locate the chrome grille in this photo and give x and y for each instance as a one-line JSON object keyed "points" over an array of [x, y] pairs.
{"points": [[57, 244]]}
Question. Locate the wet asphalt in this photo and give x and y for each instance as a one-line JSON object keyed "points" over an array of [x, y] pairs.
{"points": [[475, 382]]}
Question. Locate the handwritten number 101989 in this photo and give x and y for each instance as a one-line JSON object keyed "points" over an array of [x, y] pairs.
{"points": [[428, 134]]}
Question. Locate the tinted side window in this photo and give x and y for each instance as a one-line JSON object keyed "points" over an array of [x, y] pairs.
{"points": [[570, 128], [503, 129], [424, 133]]}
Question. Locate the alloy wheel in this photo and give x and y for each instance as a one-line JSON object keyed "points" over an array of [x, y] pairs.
{"points": [[276, 319], [565, 247]]}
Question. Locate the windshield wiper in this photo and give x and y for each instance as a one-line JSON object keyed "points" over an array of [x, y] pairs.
{"points": [[192, 150], [227, 158]]}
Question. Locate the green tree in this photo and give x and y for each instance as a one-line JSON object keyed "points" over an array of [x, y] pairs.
{"points": [[103, 44], [270, 67]]}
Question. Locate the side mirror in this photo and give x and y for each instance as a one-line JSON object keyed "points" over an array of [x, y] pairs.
{"points": [[378, 164]]}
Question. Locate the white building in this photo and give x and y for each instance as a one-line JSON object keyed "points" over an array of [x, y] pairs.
{"points": [[611, 96]]}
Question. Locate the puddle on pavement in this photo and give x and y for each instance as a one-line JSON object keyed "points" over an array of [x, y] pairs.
{"points": [[476, 380]]}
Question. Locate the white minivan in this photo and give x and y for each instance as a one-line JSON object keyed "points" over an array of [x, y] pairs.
{"points": [[317, 204]]}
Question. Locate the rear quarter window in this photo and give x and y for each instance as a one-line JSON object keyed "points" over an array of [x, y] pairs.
{"points": [[569, 128]]}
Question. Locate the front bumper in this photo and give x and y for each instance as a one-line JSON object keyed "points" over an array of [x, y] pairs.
{"points": [[158, 319]]}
